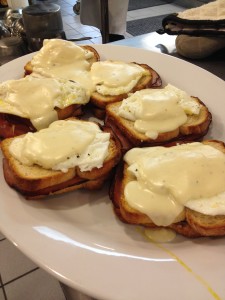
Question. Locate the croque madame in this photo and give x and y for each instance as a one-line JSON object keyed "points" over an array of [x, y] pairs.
{"points": [[68, 155]]}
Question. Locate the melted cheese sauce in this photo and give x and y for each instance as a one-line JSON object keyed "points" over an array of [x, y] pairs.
{"points": [[35, 98], [165, 179], [116, 77], [63, 59], [160, 235], [64, 145], [155, 111]]}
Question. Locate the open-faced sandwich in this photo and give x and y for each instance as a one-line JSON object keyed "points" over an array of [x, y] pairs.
{"points": [[68, 155], [114, 80], [179, 187], [158, 116], [64, 59], [32, 103]]}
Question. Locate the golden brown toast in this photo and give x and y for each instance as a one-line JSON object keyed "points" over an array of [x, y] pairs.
{"points": [[190, 223], [37, 182], [28, 67], [206, 225], [195, 128], [99, 102]]}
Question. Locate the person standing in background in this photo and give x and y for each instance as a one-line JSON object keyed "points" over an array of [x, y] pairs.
{"points": [[90, 14]]}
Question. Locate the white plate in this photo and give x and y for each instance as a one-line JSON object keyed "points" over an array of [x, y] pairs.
{"points": [[77, 238]]}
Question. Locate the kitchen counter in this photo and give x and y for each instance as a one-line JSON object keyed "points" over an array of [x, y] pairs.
{"points": [[166, 44]]}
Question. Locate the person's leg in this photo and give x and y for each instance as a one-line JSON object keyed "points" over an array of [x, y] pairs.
{"points": [[118, 17], [90, 14]]}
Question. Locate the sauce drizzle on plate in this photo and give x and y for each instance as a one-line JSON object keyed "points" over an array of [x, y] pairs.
{"points": [[183, 264]]}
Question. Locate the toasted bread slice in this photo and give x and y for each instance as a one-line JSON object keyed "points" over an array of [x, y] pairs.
{"points": [[185, 229], [28, 67], [195, 128], [35, 181], [72, 184], [99, 101], [206, 225], [189, 223]]}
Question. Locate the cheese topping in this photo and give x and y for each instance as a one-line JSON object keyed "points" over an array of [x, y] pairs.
{"points": [[116, 77], [160, 235], [64, 59], [155, 111], [35, 98], [166, 179], [64, 145]]}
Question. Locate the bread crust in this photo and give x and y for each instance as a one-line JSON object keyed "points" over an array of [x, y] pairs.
{"points": [[185, 229], [206, 225], [190, 223], [69, 185]]}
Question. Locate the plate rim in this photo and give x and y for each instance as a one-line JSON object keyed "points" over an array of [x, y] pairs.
{"points": [[22, 247]]}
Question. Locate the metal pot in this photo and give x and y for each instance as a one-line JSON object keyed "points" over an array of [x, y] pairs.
{"points": [[42, 21], [11, 48]]}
